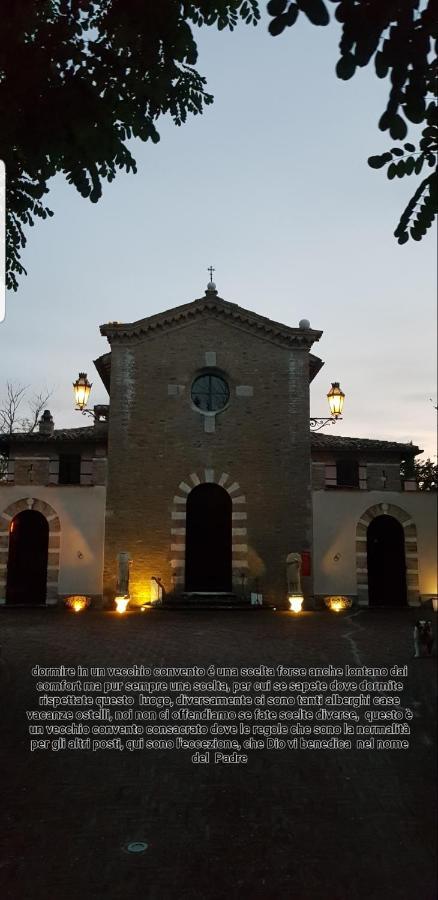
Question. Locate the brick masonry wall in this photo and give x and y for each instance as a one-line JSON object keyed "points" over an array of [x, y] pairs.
{"points": [[157, 439]]}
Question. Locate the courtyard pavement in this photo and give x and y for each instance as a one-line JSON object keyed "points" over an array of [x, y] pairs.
{"points": [[356, 825]]}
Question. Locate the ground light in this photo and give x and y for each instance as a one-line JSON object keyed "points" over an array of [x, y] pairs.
{"points": [[77, 603], [295, 602], [338, 604], [121, 604]]}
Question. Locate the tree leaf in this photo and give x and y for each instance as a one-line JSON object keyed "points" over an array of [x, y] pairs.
{"points": [[392, 171], [315, 10], [381, 65], [277, 25], [397, 151], [276, 7], [398, 128], [384, 121], [376, 162], [292, 14], [346, 66]]}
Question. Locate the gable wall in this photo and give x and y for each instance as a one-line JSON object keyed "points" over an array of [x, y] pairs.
{"points": [[157, 439]]}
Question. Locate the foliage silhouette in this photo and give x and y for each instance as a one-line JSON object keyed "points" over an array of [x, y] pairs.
{"points": [[80, 78], [424, 472], [400, 36]]}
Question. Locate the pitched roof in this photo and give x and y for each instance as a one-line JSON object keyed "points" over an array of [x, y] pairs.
{"points": [[98, 433], [94, 434], [338, 442], [212, 304], [209, 305]]}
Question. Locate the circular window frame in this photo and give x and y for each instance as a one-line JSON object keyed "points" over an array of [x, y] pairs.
{"points": [[218, 374]]}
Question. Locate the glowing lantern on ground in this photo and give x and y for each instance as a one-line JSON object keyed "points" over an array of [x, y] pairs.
{"points": [[336, 399], [121, 604], [338, 604], [81, 390], [77, 602], [296, 602]]}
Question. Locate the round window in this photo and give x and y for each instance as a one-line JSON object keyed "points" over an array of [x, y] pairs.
{"points": [[210, 393]]}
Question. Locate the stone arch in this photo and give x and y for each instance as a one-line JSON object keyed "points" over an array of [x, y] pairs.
{"points": [[411, 550], [178, 525], [54, 543]]}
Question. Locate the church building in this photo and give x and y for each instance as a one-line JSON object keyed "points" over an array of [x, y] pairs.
{"points": [[204, 474]]}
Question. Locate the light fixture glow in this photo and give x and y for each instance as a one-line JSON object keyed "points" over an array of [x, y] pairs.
{"points": [[77, 603], [296, 602], [121, 604], [336, 399], [81, 390], [338, 604]]}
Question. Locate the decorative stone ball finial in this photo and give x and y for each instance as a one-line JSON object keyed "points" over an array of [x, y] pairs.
{"points": [[211, 288], [304, 323]]}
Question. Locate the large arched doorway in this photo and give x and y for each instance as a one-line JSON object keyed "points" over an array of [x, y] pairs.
{"points": [[27, 558], [208, 539], [386, 562]]}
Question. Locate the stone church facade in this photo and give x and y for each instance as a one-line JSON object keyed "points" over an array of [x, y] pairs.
{"points": [[204, 470]]}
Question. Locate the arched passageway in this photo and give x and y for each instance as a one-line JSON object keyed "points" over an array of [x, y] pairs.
{"points": [[208, 566], [27, 558], [386, 562]]}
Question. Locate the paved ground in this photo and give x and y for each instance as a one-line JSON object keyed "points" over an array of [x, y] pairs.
{"points": [[307, 826]]}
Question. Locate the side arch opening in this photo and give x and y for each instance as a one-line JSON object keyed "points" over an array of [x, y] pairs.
{"points": [[386, 562], [27, 559]]}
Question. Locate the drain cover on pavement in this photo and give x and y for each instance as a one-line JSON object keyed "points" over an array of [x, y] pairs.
{"points": [[136, 846]]}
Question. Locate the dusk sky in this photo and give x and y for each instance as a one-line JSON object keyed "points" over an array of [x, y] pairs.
{"points": [[271, 187]]}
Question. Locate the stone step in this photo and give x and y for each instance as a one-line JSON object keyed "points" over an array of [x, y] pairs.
{"points": [[206, 601]]}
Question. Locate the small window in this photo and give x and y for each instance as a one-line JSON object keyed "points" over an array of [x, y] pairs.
{"points": [[69, 468], [347, 473], [210, 393]]}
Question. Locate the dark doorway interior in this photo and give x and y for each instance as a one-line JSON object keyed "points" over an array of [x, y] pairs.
{"points": [[386, 562], [208, 539], [27, 559]]}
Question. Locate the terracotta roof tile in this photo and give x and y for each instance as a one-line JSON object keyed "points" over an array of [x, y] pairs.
{"points": [[338, 442]]}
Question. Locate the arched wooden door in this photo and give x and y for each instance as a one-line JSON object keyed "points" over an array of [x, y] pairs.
{"points": [[386, 562], [27, 558], [208, 539]]}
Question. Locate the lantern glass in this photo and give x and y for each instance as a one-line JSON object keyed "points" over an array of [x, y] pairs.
{"points": [[81, 390], [336, 399]]}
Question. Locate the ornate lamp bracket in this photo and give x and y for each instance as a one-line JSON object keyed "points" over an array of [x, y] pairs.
{"points": [[316, 424]]}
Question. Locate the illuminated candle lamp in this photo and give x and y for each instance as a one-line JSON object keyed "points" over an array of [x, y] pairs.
{"points": [[295, 602], [338, 604], [77, 603], [121, 604]]}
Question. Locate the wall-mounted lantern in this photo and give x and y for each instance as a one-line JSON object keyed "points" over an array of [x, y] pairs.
{"points": [[81, 390], [335, 399]]}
